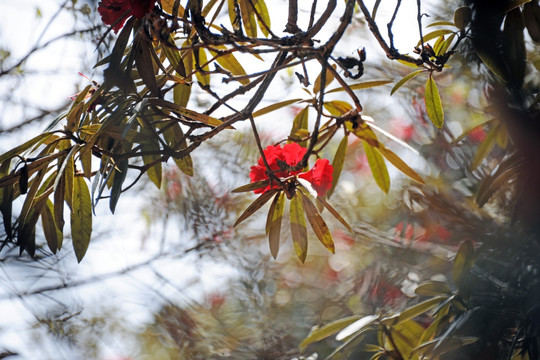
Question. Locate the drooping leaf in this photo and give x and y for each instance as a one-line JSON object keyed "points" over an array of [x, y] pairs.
{"points": [[337, 164], [273, 223], [6, 204], [230, 63], [463, 262], [202, 66], [400, 164], [405, 337], [318, 225], [298, 226], [190, 114], [434, 107], [514, 46], [362, 85], [337, 107], [406, 78], [446, 45], [275, 106], [120, 173], [433, 288], [176, 140], [21, 148], [155, 171], [378, 167], [52, 234], [485, 147], [413, 311], [327, 330], [264, 19], [81, 217], [300, 125], [256, 205]]}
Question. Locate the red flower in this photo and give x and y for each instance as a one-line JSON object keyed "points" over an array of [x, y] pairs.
{"points": [[320, 176], [290, 154], [117, 11]]}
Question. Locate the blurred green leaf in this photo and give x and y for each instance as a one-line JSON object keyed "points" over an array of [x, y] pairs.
{"points": [[273, 223], [298, 226], [434, 107], [433, 288], [463, 262], [317, 334], [318, 225], [406, 78], [337, 164], [462, 17], [81, 217], [362, 85], [378, 167], [256, 205]]}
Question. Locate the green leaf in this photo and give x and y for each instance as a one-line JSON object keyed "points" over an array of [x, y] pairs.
{"points": [[337, 164], [203, 70], [362, 85], [378, 167], [463, 262], [300, 123], [251, 186], [485, 147], [21, 148], [256, 205], [433, 35], [248, 18], [433, 103], [230, 63], [262, 10], [273, 223], [174, 57], [357, 326], [329, 79], [327, 330], [446, 45], [318, 225], [120, 173], [337, 107], [81, 217], [52, 234], [412, 312], [298, 226], [6, 204], [406, 78], [400, 164], [155, 171], [405, 337], [433, 288], [275, 106], [441, 23], [462, 17], [190, 114], [176, 140]]}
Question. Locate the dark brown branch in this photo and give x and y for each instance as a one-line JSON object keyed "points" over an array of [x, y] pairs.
{"points": [[292, 26]]}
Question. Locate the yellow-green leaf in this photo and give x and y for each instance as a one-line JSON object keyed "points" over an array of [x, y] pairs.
{"points": [[264, 19], [203, 70], [433, 35], [81, 217], [248, 18], [400, 164], [278, 105], [190, 114], [413, 311], [462, 17], [251, 186], [298, 226], [378, 167], [433, 288], [337, 164], [19, 149], [155, 171], [300, 123], [256, 205], [318, 225], [52, 234], [337, 107], [327, 330], [230, 63], [273, 223], [434, 107], [362, 85], [406, 78], [463, 262], [485, 147]]}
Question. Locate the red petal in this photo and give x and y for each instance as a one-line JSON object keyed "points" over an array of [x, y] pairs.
{"points": [[112, 11], [142, 7]]}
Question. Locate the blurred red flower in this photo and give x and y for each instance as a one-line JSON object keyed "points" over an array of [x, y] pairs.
{"points": [[117, 11], [320, 176]]}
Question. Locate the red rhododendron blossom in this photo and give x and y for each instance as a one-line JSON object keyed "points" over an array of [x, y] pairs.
{"points": [[320, 176], [290, 154], [117, 11]]}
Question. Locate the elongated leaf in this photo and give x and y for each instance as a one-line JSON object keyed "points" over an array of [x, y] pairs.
{"points": [[357, 326], [434, 107], [248, 18], [441, 23], [327, 330], [21, 148], [433, 35], [190, 114], [119, 176], [433, 288], [400, 164], [378, 167], [405, 337], [6, 204], [406, 78], [337, 164], [413, 311], [52, 234], [81, 217], [337, 107], [264, 19], [203, 70], [273, 107], [318, 225], [59, 203], [256, 205], [230, 63], [174, 57], [329, 79], [273, 223], [298, 226], [154, 172], [176, 140], [362, 85], [251, 186], [300, 125], [69, 175], [446, 45], [485, 147], [334, 212], [463, 262]]}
